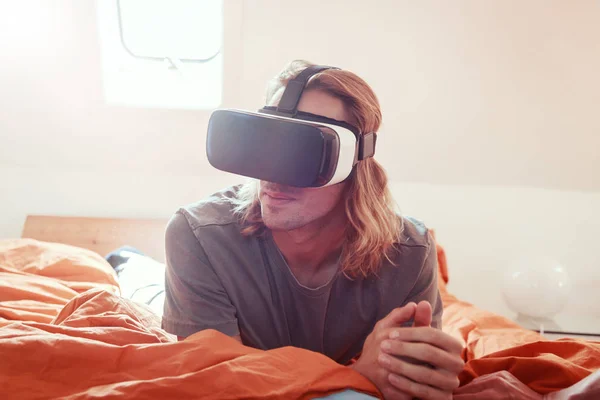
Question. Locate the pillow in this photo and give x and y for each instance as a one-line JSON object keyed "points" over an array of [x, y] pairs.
{"points": [[142, 279]]}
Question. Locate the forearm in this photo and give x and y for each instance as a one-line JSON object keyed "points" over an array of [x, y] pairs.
{"points": [[356, 366]]}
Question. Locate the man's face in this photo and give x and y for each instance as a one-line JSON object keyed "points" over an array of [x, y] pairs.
{"points": [[286, 207]]}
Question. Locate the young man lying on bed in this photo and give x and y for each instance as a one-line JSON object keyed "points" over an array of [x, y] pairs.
{"points": [[333, 269]]}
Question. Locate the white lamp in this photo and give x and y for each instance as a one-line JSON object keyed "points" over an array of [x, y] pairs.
{"points": [[536, 287]]}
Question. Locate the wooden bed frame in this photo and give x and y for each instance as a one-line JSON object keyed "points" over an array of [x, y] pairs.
{"points": [[101, 235]]}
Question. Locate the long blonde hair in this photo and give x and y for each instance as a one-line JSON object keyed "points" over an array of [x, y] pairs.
{"points": [[374, 226]]}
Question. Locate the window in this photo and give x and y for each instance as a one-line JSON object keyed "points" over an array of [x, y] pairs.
{"points": [[162, 53]]}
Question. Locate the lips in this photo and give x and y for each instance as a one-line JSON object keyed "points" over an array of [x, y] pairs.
{"points": [[278, 196], [273, 199]]}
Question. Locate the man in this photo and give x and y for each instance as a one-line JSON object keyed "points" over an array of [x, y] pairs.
{"points": [[331, 269]]}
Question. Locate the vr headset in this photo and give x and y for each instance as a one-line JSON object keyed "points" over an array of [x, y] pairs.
{"points": [[283, 145]]}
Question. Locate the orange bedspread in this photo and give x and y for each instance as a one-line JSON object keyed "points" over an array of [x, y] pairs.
{"points": [[494, 343], [65, 333]]}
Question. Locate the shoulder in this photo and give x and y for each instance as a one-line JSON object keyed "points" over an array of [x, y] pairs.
{"points": [[212, 216], [415, 249], [206, 227], [414, 233], [216, 209]]}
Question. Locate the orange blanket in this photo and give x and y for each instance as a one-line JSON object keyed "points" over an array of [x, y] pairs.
{"points": [[64, 334], [494, 343]]}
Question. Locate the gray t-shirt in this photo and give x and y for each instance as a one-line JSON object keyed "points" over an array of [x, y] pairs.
{"points": [[219, 279]]}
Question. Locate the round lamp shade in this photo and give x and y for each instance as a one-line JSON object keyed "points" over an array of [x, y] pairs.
{"points": [[536, 286]]}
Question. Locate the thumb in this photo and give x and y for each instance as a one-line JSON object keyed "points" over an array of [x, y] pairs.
{"points": [[423, 314], [399, 315]]}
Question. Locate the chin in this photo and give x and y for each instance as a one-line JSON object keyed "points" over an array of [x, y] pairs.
{"points": [[280, 224], [273, 224]]}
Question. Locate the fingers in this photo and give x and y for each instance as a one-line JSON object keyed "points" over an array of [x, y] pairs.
{"points": [[420, 374], [423, 314], [424, 352], [398, 316], [429, 335], [417, 389]]}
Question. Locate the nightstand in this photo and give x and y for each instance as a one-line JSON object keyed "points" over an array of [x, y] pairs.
{"points": [[566, 326], [565, 335]]}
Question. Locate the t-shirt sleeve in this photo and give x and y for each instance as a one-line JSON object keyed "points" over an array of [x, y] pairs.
{"points": [[194, 296], [426, 287]]}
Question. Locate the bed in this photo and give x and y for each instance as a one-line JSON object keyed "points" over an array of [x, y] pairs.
{"points": [[67, 331], [100, 235]]}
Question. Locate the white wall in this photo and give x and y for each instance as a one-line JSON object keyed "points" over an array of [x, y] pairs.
{"points": [[490, 120], [485, 93], [473, 92], [486, 229]]}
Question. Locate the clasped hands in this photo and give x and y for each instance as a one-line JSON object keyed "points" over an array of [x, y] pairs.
{"points": [[407, 362]]}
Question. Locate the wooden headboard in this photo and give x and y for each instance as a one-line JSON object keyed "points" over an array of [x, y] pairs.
{"points": [[101, 235]]}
